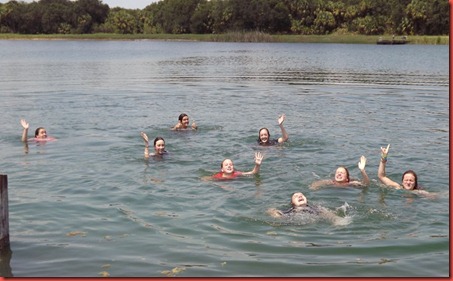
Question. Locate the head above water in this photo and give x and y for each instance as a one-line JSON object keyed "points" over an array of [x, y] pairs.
{"points": [[264, 136], [342, 175], [298, 199], [184, 119], [159, 145], [40, 133], [409, 180], [181, 116], [227, 166]]}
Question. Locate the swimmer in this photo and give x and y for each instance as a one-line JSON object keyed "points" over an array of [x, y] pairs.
{"points": [[183, 123], [409, 179], [40, 133], [227, 170], [299, 204], [342, 178], [159, 146], [264, 137]]}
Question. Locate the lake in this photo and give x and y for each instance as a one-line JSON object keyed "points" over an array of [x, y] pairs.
{"points": [[90, 205]]}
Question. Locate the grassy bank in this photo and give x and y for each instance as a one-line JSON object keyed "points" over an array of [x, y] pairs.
{"points": [[231, 37]]}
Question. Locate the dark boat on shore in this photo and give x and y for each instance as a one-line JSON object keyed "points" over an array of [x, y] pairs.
{"points": [[393, 41]]}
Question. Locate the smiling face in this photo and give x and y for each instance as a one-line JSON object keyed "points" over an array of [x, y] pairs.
{"points": [[341, 175], [227, 166], [40, 133], [409, 181], [264, 135], [159, 147], [298, 199], [185, 121]]}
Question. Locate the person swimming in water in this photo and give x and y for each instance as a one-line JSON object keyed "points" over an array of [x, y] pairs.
{"points": [[40, 133], [183, 123], [227, 170], [342, 178], [409, 180], [299, 204], [264, 137], [159, 146]]}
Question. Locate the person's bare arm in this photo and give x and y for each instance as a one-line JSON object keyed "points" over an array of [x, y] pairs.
{"points": [[194, 125], [361, 165], [146, 140], [318, 184], [274, 213], [284, 136], [258, 159], [25, 125], [381, 170]]}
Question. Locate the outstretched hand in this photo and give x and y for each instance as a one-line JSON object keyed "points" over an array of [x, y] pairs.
{"points": [[24, 124], [145, 138], [362, 163], [281, 119], [385, 150], [258, 158], [194, 125]]}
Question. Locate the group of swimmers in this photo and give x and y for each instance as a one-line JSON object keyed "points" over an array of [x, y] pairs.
{"points": [[298, 200]]}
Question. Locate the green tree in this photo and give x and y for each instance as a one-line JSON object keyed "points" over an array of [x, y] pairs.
{"points": [[202, 20], [89, 14]]}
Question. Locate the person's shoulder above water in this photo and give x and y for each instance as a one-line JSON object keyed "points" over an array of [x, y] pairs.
{"points": [[227, 170], [183, 123], [159, 146], [343, 179], [224, 176], [264, 136], [409, 179], [40, 133], [299, 205]]}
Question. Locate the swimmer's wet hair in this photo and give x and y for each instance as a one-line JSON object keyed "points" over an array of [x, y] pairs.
{"points": [[181, 116], [158, 139], [269, 135]]}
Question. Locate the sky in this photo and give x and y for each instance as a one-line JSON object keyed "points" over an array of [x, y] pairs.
{"points": [[127, 4]]}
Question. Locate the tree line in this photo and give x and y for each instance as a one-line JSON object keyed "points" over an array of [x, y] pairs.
{"points": [[367, 17]]}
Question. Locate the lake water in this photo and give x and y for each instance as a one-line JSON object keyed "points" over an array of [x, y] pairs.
{"points": [[90, 205]]}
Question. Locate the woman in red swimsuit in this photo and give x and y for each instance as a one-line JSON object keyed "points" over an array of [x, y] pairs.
{"points": [[227, 170]]}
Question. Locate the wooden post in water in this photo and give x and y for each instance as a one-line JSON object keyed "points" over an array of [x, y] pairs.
{"points": [[4, 221]]}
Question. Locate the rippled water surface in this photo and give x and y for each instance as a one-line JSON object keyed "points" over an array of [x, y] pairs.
{"points": [[88, 204]]}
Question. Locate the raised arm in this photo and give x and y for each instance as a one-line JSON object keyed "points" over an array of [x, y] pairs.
{"points": [[284, 136], [146, 140], [25, 125], [362, 164], [258, 159], [381, 171], [177, 126], [194, 125]]}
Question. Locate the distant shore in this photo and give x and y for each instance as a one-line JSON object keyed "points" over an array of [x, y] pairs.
{"points": [[233, 37]]}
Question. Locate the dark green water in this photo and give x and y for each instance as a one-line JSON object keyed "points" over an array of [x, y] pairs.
{"points": [[89, 205]]}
